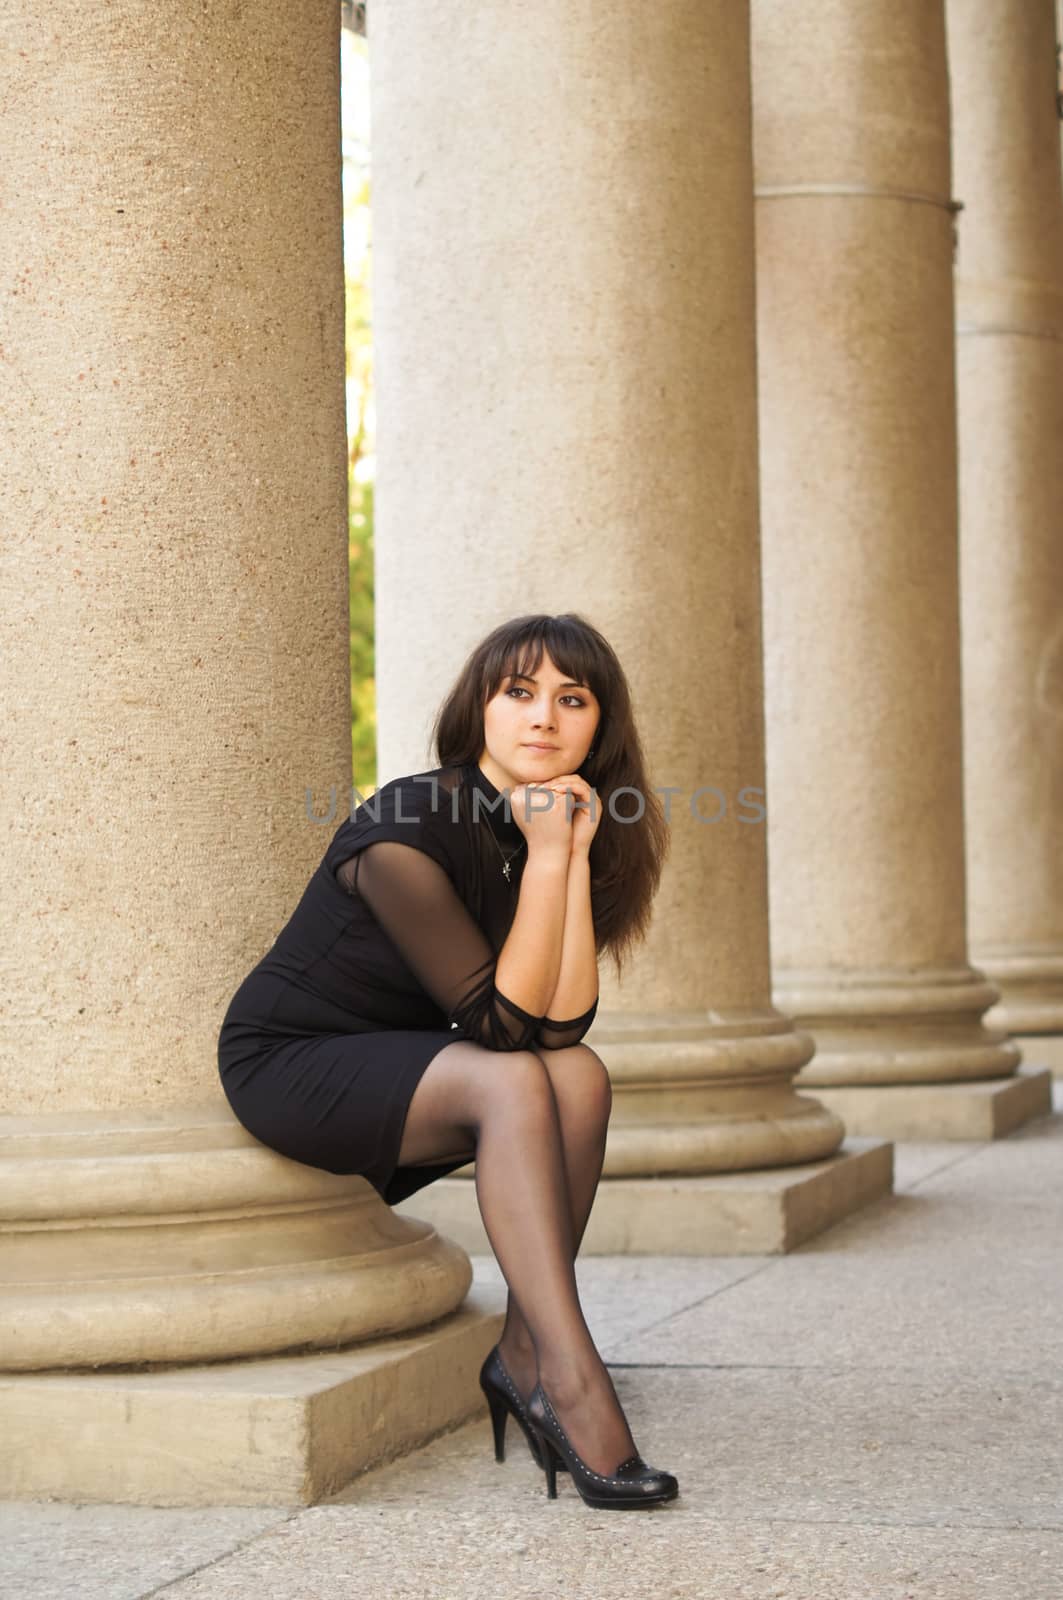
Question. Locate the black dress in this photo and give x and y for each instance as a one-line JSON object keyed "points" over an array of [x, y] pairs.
{"points": [[388, 957]]}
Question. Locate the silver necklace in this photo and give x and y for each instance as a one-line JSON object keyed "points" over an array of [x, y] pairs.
{"points": [[506, 860]]}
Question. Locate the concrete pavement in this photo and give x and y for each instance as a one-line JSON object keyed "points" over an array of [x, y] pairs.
{"points": [[876, 1416]]}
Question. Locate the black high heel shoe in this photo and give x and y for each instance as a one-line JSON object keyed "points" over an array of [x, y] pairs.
{"points": [[633, 1483], [504, 1400]]}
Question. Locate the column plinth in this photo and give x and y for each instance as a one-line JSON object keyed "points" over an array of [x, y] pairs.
{"points": [[881, 1027], [691, 1099], [176, 1237]]}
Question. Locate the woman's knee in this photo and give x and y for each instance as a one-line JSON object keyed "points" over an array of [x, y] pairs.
{"points": [[578, 1071], [516, 1078]]}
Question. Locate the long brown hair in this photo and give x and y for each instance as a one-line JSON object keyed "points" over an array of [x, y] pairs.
{"points": [[626, 855]]}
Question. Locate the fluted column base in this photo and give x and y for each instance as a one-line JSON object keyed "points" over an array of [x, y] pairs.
{"points": [[890, 1025], [1031, 990], [140, 1252], [1044, 1050], [1030, 1007], [173, 1236], [879, 1032], [694, 1094]]}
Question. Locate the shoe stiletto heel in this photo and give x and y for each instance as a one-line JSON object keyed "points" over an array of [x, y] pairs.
{"points": [[503, 1399], [632, 1484], [550, 1462], [499, 1412]]}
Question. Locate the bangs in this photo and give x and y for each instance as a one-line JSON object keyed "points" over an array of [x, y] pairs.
{"points": [[571, 652]]}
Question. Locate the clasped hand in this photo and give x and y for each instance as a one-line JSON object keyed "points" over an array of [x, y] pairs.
{"points": [[570, 819]]}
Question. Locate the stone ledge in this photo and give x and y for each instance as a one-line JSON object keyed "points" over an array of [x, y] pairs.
{"points": [[767, 1211], [287, 1430], [978, 1108]]}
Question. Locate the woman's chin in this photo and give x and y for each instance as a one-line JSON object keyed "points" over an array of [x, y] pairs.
{"points": [[539, 769]]}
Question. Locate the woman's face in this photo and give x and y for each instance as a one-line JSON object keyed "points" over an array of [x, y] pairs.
{"points": [[526, 713]]}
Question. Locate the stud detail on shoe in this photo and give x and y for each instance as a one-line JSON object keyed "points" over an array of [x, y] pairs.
{"points": [[508, 1381], [624, 1482]]}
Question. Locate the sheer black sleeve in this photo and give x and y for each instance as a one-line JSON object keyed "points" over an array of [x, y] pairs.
{"points": [[417, 905], [557, 1035]]}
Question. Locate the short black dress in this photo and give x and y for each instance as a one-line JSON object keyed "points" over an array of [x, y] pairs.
{"points": [[388, 957]]}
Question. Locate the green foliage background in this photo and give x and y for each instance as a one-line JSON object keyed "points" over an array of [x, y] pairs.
{"points": [[360, 421]]}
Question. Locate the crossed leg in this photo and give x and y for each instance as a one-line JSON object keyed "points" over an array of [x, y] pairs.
{"points": [[583, 1094], [537, 1121]]}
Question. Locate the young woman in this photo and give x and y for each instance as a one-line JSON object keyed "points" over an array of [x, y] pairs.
{"points": [[425, 1002]]}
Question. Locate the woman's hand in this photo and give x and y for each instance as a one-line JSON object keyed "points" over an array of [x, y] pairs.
{"points": [[585, 805], [544, 821], [568, 825]]}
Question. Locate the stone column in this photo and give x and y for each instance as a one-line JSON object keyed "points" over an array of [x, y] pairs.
{"points": [[566, 407], [176, 679], [1009, 324], [858, 462]]}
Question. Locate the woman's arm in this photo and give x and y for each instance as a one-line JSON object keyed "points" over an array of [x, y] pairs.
{"points": [[530, 959], [497, 1002], [571, 1007]]}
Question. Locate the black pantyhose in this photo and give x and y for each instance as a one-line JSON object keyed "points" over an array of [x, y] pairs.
{"points": [[506, 1098]]}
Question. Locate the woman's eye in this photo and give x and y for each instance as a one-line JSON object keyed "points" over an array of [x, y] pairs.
{"points": [[516, 688]]}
